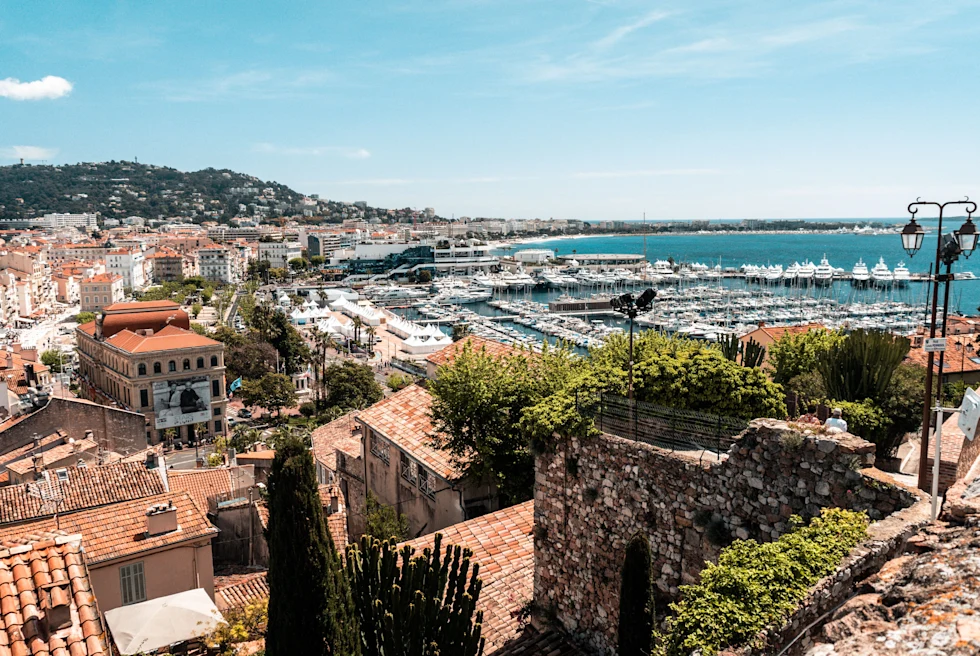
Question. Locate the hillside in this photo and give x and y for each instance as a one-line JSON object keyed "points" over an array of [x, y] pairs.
{"points": [[122, 189]]}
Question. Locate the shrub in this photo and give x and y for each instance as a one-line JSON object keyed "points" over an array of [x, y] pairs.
{"points": [[84, 317], [398, 381], [864, 419], [307, 409], [757, 585]]}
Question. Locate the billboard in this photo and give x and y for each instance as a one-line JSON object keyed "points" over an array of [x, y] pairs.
{"points": [[181, 402]]}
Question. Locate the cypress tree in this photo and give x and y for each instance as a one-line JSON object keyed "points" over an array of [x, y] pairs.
{"points": [[636, 600], [310, 606]]}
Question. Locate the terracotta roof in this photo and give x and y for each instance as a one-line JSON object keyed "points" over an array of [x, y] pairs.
{"points": [[103, 277], [403, 419], [490, 347], [268, 454], [336, 522], [85, 487], [776, 332], [57, 437], [532, 642], [203, 484], [242, 591], [54, 455], [338, 435], [141, 306], [27, 573], [119, 531], [154, 320], [168, 339], [962, 355], [503, 546], [262, 510]]}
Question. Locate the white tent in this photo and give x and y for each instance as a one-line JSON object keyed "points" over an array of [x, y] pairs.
{"points": [[162, 622]]}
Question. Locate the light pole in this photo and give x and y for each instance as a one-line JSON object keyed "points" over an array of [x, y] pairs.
{"points": [[948, 249], [631, 307]]}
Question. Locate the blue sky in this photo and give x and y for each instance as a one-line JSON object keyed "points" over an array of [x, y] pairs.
{"points": [[520, 108]]}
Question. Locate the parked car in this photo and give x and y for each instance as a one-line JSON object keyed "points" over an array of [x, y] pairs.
{"points": [[245, 413]]}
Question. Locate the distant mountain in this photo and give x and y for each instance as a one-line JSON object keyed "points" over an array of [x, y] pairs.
{"points": [[122, 189]]}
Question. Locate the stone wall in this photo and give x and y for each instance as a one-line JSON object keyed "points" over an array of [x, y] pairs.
{"points": [[592, 495], [114, 429]]}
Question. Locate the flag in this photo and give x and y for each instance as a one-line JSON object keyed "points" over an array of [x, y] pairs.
{"points": [[235, 385]]}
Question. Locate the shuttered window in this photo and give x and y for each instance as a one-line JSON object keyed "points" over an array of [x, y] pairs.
{"points": [[132, 583]]}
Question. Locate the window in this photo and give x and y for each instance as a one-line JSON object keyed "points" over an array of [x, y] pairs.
{"points": [[217, 412], [86, 300], [427, 483], [132, 583], [141, 369], [105, 299], [380, 449], [144, 398], [171, 366], [214, 360], [187, 364], [200, 363], [216, 388], [156, 367], [410, 470], [217, 426]]}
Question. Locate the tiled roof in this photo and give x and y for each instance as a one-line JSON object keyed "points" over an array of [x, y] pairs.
{"points": [[242, 592], [775, 333], [267, 454], [103, 277], [489, 346], [166, 339], [532, 642], [338, 435], [202, 484], [336, 522], [56, 437], [142, 306], [119, 531], [85, 487], [26, 574], [403, 419], [55, 454], [503, 546], [962, 355], [262, 509]]}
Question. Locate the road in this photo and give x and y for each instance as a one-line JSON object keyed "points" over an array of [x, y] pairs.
{"points": [[185, 459]]}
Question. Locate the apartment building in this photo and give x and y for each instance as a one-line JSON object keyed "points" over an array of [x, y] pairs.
{"points": [[56, 220], [217, 264], [278, 253], [145, 358], [168, 265], [67, 288], [128, 263], [30, 264], [99, 291]]}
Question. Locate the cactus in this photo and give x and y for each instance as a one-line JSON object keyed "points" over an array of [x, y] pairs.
{"points": [[415, 605], [730, 346], [753, 354]]}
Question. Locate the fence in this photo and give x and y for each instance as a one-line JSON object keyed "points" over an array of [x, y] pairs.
{"points": [[665, 427]]}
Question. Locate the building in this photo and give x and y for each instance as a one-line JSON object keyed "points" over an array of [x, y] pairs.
{"points": [[607, 261], [145, 358], [279, 253], [87, 221], [337, 452], [534, 256], [961, 361], [129, 263], [167, 265], [217, 264], [228, 233], [402, 469], [463, 258], [30, 265], [67, 288], [101, 290]]}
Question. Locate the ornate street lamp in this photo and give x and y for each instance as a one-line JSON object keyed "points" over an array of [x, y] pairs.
{"points": [[948, 249], [632, 307]]}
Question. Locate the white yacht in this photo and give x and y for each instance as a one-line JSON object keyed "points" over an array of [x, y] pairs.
{"points": [[902, 275], [774, 274], [859, 274], [880, 275], [824, 274], [791, 272], [807, 271]]}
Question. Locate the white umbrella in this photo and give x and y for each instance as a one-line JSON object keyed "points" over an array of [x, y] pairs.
{"points": [[161, 622]]}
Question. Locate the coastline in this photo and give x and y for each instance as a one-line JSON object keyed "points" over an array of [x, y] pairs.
{"points": [[505, 243]]}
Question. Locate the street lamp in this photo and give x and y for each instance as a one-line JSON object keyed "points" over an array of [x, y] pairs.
{"points": [[948, 249], [631, 307]]}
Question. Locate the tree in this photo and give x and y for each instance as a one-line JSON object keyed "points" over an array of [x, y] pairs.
{"points": [[424, 276], [358, 324], [251, 360], [424, 605], [797, 353], [272, 391], [460, 330], [54, 360], [384, 522], [636, 599], [861, 366], [84, 317], [297, 264], [317, 260], [196, 310], [902, 405], [350, 385], [273, 326], [310, 607], [371, 331]]}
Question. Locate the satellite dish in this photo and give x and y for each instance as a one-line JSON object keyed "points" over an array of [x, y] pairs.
{"points": [[969, 414]]}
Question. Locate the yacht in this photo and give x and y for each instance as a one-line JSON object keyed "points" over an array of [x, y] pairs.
{"points": [[774, 274], [859, 274], [902, 275], [807, 271], [824, 274], [791, 272], [880, 275]]}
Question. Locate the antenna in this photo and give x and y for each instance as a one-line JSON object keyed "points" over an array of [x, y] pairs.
{"points": [[48, 490]]}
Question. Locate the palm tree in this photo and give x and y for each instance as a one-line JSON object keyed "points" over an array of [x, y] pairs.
{"points": [[357, 329], [371, 332]]}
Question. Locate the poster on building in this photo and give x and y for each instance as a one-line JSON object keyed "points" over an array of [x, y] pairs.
{"points": [[181, 402]]}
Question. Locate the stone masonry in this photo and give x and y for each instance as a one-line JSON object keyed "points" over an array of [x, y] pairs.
{"points": [[593, 494]]}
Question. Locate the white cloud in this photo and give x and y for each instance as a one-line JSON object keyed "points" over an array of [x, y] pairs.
{"points": [[624, 31], [312, 151], [47, 88], [28, 152]]}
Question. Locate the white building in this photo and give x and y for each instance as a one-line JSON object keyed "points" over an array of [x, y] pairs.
{"points": [[217, 264], [278, 253], [54, 220], [534, 256], [466, 257], [130, 264]]}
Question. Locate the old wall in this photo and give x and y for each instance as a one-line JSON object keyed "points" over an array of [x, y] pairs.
{"points": [[114, 429], [594, 494]]}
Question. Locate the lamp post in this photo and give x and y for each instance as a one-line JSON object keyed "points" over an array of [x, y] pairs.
{"points": [[631, 307], [948, 249]]}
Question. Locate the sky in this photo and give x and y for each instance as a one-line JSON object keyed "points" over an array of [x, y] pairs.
{"points": [[579, 109]]}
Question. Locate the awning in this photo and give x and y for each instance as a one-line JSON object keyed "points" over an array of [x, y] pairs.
{"points": [[162, 622]]}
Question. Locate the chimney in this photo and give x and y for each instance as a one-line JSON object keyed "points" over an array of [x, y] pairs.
{"points": [[161, 518], [29, 374], [89, 435], [334, 504], [56, 604]]}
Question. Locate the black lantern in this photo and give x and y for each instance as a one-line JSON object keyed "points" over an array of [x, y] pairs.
{"points": [[912, 235], [967, 237]]}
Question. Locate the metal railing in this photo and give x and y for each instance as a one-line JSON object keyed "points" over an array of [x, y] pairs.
{"points": [[677, 430]]}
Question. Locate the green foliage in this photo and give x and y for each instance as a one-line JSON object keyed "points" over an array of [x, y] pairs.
{"points": [[384, 522], [424, 605], [54, 360], [861, 366], [350, 385], [753, 354], [199, 329], [636, 599], [797, 353], [399, 381], [272, 392], [808, 386], [240, 625], [310, 605], [307, 409], [196, 310], [730, 346], [460, 330], [228, 336], [84, 317], [757, 585], [424, 276], [953, 393], [864, 418], [252, 359], [317, 260], [273, 326], [298, 264]]}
